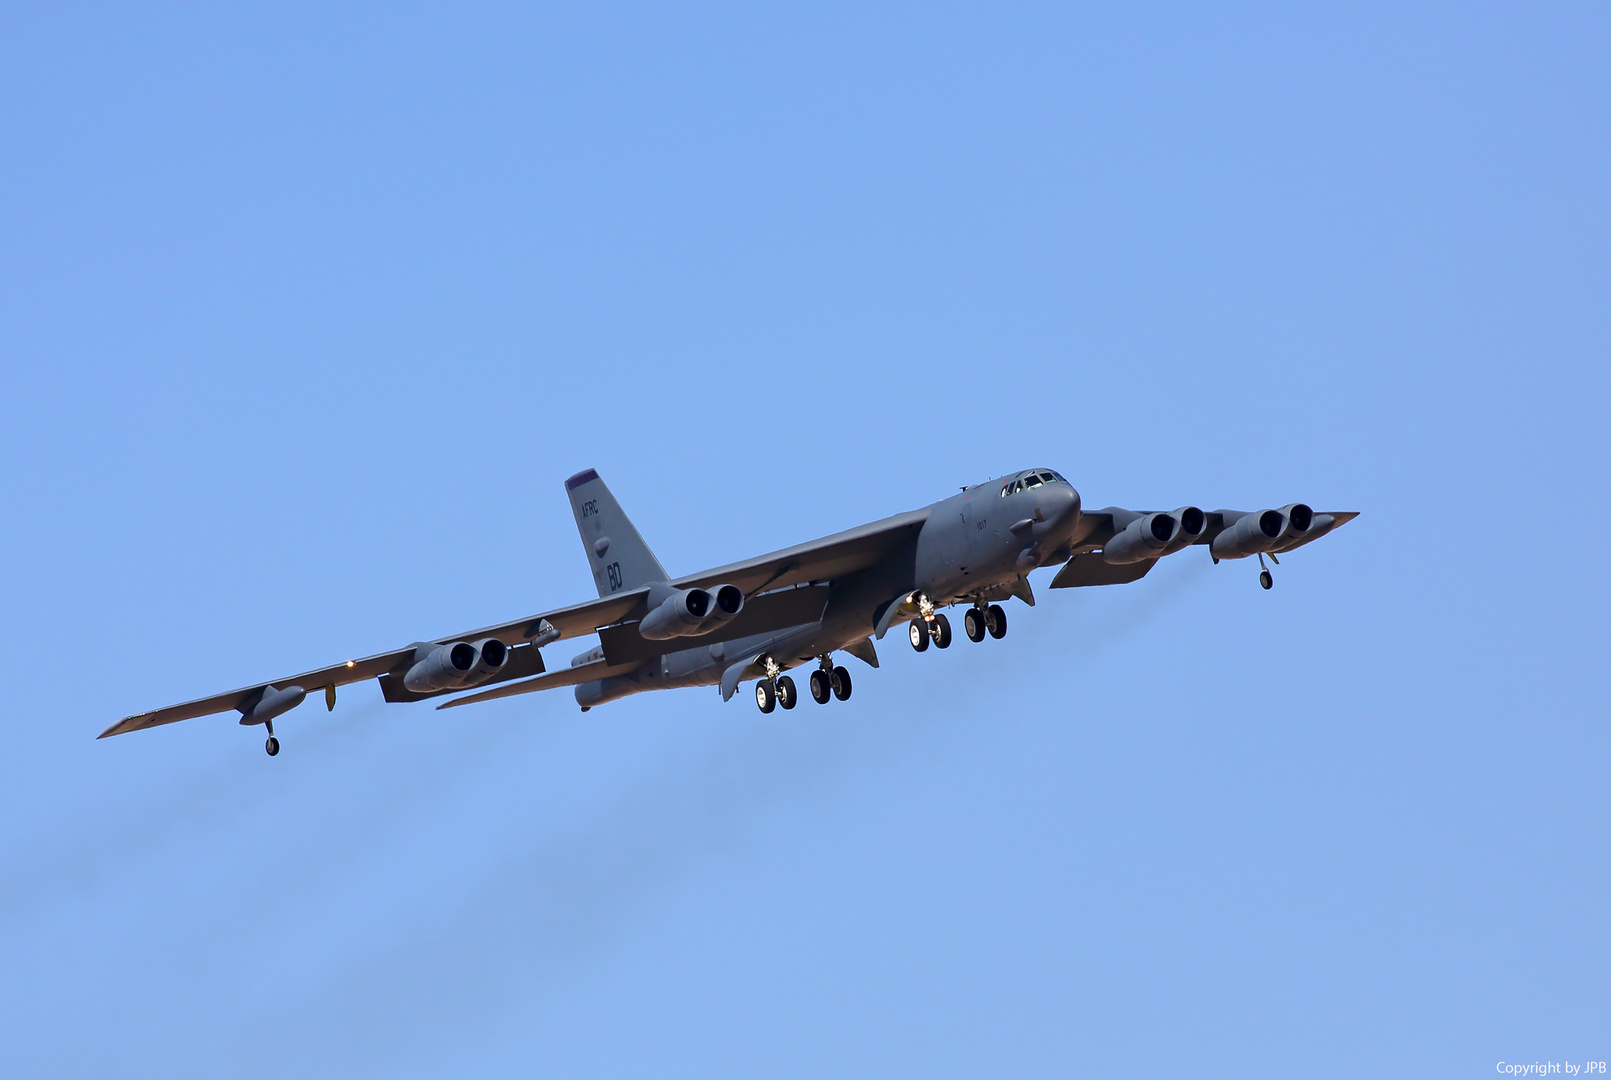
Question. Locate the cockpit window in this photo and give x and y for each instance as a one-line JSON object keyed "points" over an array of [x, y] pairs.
{"points": [[1049, 477], [1032, 480]]}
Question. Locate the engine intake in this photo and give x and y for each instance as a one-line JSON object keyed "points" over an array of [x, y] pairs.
{"points": [[1192, 523], [1147, 537], [726, 602], [492, 655], [1300, 519], [679, 615], [446, 667], [1252, 534]]}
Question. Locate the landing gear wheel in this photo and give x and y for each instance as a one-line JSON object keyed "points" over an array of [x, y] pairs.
{"points": [[840, 681], [272, 746], [974, 623], [821, 687], [920, 634], [996, 621], [766, 699], [788, 696], [941, 629], [1266, 580]]}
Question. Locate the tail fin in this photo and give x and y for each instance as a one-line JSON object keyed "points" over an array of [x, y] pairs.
{"points": [[616, 553]]}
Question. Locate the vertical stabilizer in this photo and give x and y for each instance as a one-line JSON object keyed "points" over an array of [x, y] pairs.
{"points": [[616, 553]]}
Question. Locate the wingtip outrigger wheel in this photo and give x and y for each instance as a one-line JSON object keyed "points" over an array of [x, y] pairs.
{"points": [[1265, 580], [273, 744]]}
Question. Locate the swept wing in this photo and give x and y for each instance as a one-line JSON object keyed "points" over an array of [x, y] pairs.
{"points": [[816, 561]]}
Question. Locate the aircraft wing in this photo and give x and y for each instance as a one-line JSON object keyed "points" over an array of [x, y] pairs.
{"points": [[816, 561], [785, 588], [1097, 527], [348, 671], [565, 622], [819, 560]]}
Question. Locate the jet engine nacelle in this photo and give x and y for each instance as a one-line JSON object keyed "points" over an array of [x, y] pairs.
{"points": [[1152, 536], [1192, 523], [446, 667], [491, 655], [726, 602], [679, 615], [1300, 519], [1263, 530]]}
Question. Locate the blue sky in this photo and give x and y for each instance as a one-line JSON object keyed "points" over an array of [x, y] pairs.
{"points": [[306, 314]]}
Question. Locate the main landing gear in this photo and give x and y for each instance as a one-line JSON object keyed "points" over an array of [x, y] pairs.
{"points": [[981, 620], [769, 695], [829, 682], [776, 689], [977, 621], [937, 629]]}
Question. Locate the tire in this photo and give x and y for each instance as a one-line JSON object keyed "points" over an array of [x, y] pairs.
{"points": [[766, 699], [942, 631], [821, 687], [272, 746], [919, 632], [841, 684], [974, 624], [788, 696], [996, 621], [1266, 580]]}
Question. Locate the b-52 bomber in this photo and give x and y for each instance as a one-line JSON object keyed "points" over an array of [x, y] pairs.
{"points": [[757, 619]]}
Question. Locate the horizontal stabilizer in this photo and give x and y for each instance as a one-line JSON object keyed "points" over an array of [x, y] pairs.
{"points": [[581, 673]]}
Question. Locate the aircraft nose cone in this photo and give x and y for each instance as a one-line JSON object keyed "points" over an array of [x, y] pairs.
{"points": [[1063, 505]]}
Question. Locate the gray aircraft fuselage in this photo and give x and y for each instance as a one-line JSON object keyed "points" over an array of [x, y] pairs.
{"points": [[976, 545]]}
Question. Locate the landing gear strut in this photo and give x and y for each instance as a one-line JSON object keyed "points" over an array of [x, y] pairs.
{"points": [[273, 744], [1265, 579]]}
